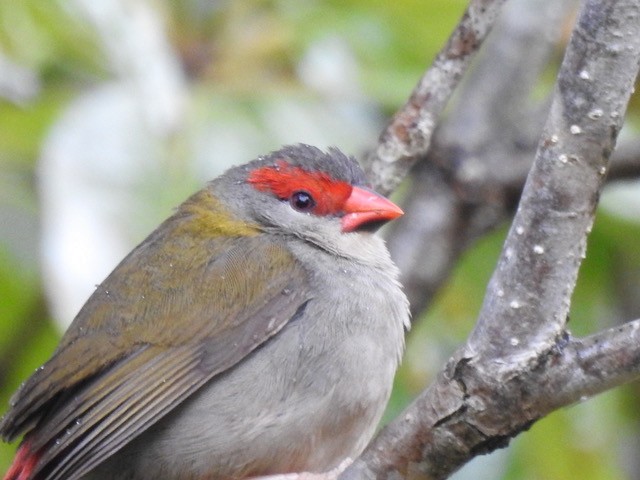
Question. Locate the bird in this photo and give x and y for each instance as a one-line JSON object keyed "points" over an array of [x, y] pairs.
{"points": [[256, 331]]}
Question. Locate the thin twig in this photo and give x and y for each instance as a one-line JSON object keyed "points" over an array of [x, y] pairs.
{"points": [[408, 135]]}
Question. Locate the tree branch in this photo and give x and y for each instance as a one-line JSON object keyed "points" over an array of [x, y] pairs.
{"points": [[520, 363], [537, 271], [471, 179], [408, 135]]}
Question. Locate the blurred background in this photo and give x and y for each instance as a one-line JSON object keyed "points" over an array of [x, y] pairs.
{"points": [[113, 111]]}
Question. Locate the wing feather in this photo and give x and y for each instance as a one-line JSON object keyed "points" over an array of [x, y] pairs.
{"points": [[147, 339], [126, 412]]}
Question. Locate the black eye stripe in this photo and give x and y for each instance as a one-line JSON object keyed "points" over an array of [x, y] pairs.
{"points": [[302, 201]]}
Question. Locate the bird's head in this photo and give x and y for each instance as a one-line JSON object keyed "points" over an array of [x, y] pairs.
{"points": [[302, 191]]}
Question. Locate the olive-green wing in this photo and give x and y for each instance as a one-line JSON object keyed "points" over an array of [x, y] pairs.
{"points": [[176, 312]]}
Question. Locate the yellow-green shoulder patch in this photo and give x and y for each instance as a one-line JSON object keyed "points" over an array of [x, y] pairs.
{"points": [[209, 217]]}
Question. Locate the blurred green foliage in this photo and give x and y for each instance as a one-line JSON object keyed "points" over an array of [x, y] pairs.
{"points": [[246, 51]]}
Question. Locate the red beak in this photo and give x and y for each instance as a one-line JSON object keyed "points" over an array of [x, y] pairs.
{"points": [[364, 207]]}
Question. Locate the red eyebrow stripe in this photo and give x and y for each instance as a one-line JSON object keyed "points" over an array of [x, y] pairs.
{"points": [[282, 180]]}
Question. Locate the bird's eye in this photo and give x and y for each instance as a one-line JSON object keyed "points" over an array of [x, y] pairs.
{"points": [[302, 201]]}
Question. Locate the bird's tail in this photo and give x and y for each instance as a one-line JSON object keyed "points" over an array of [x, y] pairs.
{"points": [[23, 464]]}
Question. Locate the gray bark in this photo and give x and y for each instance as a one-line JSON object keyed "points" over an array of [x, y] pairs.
{"points": [[520, 362]]}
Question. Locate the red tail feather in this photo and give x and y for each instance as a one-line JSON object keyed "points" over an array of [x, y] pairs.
{"points": [[23, 464]]}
